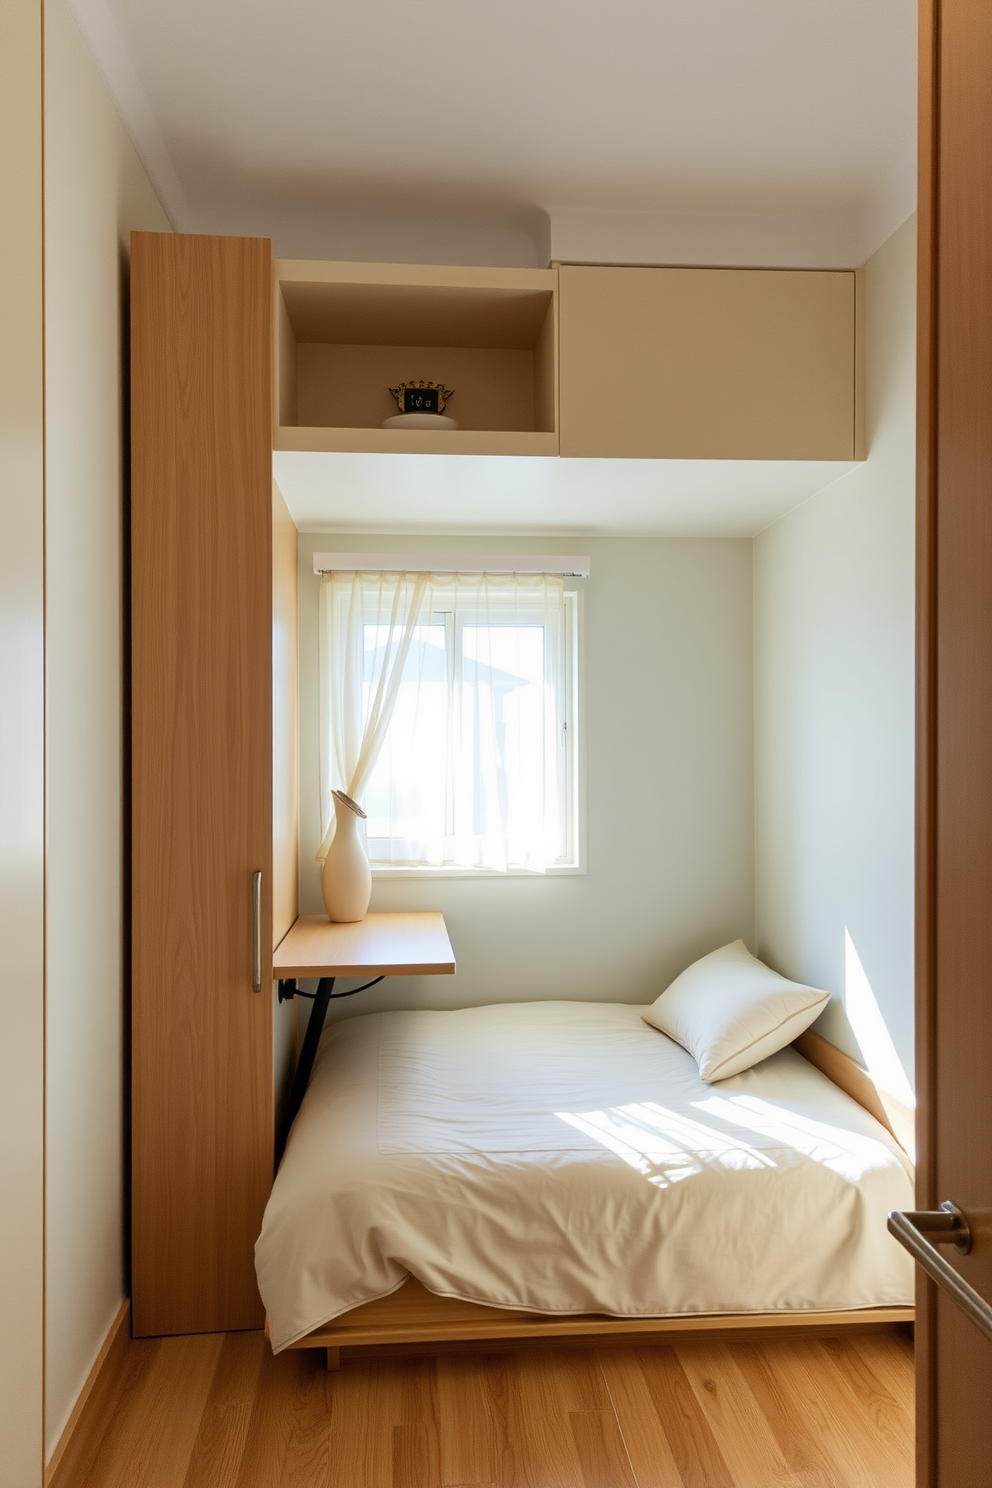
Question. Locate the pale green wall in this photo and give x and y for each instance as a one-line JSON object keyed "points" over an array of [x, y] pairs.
{"points": [[668, 764], [834, 689], [95, 192]]}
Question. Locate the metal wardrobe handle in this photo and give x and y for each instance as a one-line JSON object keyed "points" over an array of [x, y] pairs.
{"points": [[256, 931], [920, 1231]]}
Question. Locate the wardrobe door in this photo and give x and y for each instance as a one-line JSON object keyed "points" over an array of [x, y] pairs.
{"points": [[201, 591]]}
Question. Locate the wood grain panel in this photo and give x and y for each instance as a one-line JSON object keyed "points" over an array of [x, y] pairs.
{"points": [[285, 720], [285, 779], [238, 1418], [202, 1104], [955, 782], [745, 364], [925, 793]]}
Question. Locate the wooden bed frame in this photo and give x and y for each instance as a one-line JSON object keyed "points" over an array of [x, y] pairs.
{"points": [[415, 1318]]}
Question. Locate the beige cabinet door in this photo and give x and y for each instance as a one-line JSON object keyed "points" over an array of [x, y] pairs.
{"points": [[201, 590], [697, 364]]}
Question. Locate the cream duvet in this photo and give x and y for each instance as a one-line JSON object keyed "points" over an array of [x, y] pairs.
{"points": [[566, 1158]]}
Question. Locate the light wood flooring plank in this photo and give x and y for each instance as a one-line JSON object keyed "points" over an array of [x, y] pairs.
{"points": [[794, 1413], [602, 1455], [156, 1440], [104, 1421], [743, 1435], [220, 1443], [856, 1443], [891, 1361], [887, 1411], [644, 1437], [361, 1430], [288, 1440], [416, 1436], [384, 1425], [694, 1447], [472, 1402], [414, 1465], [545, 1390], [221, 1412]]}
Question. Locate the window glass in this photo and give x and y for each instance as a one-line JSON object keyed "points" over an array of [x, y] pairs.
{"points": [[472, 684]]}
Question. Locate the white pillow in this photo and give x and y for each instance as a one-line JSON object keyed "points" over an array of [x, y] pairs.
{"points": [[731, 1011]]}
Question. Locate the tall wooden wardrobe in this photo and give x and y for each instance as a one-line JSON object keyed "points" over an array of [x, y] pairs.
{"points": [[203, 1078]]}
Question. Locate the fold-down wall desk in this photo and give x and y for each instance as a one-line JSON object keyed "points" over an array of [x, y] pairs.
{"points": [[412, 944]]}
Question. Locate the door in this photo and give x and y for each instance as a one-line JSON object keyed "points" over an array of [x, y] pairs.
{"points": [[201, 711], [954, 909]]}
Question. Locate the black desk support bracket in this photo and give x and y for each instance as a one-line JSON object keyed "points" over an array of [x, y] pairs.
{"points": [[288, 989]]}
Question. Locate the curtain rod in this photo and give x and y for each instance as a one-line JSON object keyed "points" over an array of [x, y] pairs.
{"points": [[568, 567]]}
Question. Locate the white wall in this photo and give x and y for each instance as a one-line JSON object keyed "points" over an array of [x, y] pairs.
{"points": [[95, 192], [834, 688], [667, 739], [22, 721]]}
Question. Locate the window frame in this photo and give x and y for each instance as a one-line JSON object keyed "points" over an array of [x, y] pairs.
{"points": [[572, 861]]}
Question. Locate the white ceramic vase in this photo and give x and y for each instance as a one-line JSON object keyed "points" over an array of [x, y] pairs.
{"points": [[346, 878]]}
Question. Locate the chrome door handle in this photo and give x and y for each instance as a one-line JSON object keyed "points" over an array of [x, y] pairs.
{"points": [[256, 931], [920, 1231]]}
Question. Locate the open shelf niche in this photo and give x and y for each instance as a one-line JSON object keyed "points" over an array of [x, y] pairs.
{"points": [[347, 332]]}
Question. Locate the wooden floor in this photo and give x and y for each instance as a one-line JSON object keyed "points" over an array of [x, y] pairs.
{"points": [[218, 1411]]}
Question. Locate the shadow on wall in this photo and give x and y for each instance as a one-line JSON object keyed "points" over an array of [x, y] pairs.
{"points": [[309, 214]]}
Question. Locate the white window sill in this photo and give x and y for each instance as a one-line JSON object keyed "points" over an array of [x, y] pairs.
{"points": [[426, 871]]}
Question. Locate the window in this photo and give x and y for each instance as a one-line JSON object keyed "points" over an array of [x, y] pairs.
{"points": [[449, 699]]}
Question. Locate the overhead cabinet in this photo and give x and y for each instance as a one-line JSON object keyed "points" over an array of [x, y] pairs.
{"points": [[708, 364], [346, 333], [577, 360]]}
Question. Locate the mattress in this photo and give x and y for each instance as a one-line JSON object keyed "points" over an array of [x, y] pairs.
{"points": [[566, 1158]]}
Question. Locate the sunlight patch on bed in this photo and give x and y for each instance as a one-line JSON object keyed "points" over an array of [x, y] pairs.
{"points": [[847, 1153], [662, 1145]]}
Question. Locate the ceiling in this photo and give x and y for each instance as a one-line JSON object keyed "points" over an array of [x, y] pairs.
{"points": [[716, 131], [751, 132]]}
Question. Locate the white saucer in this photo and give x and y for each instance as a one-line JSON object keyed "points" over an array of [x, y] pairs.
{"points": [[420, 421]]}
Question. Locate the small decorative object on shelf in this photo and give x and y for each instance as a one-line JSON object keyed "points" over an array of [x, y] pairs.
{"points": [[422, 397], [346, 878], [421, 406]]}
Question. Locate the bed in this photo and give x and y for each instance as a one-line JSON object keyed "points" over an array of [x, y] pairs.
{"points": [[561, 1168]]}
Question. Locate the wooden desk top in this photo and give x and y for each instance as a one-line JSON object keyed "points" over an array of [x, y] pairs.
{"points": [[414, 944]]}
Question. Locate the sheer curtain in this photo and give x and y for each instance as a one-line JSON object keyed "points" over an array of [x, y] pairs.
{"points": [[441, 711]]}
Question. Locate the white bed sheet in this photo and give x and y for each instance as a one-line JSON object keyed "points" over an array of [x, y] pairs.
{"points": [[567, 1158]]}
